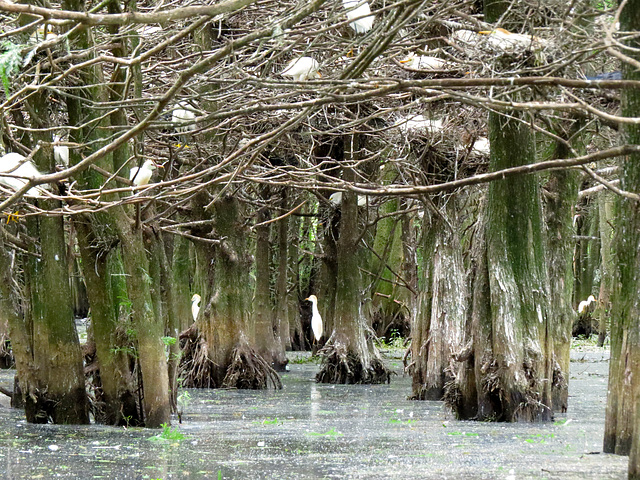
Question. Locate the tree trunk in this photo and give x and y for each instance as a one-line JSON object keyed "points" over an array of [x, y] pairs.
{"points": [[350, 356], [117, 385], [282, 284], [510, 345], [622, 417], [263, 323], [437, 329], [220, 352], [182, 284], [386, 262], [605, 209], [562, 193], [149, 329]]}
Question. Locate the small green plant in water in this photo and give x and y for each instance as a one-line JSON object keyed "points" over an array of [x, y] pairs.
{"points": [[184, 399], [395, 341], [168, 434], [330, 433]]}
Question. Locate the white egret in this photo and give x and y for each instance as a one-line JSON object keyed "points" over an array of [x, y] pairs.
{"points": [[585, 305], [481, 146], [42, 35], [18, 165], [183, 117], [466, 37], [507, 42], [195, 306], [424, 62], [336, 199], [301, 69], [60, 152], [359, 14], [316, 319], [417, 123], [142, 175]]}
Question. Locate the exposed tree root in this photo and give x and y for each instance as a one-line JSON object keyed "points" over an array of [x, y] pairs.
{"points": [[584, 325], [6, 354], [248, 370], [343, 366], [196, 368]]}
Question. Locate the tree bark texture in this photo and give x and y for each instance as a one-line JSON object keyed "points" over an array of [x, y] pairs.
{"points": [[509, 344], [263, 321], [562, 188], [349, 356], [622, 418], [437, 329]]}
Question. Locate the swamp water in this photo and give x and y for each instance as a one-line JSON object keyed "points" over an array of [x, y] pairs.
{"points": [[312, 431]]}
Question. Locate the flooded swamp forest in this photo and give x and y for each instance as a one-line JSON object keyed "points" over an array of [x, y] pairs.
{"points": [[320, 239]]}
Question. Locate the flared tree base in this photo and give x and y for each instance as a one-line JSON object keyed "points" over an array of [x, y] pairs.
{"points": [[247, 369], [499, 401], [196, 368], [342, 366]]}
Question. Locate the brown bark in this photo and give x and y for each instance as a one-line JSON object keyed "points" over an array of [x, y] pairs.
{"points": [[437, 329]]}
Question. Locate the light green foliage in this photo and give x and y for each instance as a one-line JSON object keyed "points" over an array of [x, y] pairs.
{"points": [[168, 341], [330, 433], [184, 399], [395, 341], [168, 434], [10, 61]]}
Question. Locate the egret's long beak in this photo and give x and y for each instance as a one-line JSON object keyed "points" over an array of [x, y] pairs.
{"points": [[159, 166], [319, 74], [485, 32]]}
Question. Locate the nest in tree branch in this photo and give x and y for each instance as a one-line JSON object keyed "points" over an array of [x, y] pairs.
{"points": [[342, 366], [248, 370], [195, 367]]}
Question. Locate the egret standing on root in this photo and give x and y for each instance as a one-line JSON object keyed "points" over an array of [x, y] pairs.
{"points": [[316, 319], [195, 306]]}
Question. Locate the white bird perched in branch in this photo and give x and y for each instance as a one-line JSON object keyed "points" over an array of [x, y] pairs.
{"points": [[301, 69], [16, 164], [60, 152], [316, 319], [507, 42], [183, 116], [195, 306], [336, 199], [419, 123], [359, 13], [424, 62], [42, 35], [142, 175], [585, 305]]}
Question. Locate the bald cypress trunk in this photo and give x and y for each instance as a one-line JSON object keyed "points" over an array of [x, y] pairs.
{"points": [[220, 349], [510, 346], [58, 393], [622, 420], [350, 356], [182, 282], [263, 321], [388, 293], [282, 285], [437, 329], [562, 190], [606, 218]]}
